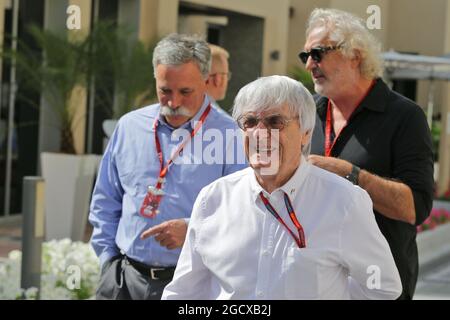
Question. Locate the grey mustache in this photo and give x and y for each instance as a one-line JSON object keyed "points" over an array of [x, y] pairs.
{"points": [[180, 111]]}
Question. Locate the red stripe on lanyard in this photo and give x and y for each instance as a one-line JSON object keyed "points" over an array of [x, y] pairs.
{"points": [[163, 170], [154, 198], [300, 240], [293, 217], [329, 125]]}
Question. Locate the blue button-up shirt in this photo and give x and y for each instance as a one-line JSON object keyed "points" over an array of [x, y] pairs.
{"points": [[130, 164]]}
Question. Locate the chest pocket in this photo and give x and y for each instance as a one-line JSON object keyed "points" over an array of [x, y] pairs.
{"points": [[130, 184], [136, 175]]}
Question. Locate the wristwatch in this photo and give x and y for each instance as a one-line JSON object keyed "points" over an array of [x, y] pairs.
{"points": [[353, 175]]}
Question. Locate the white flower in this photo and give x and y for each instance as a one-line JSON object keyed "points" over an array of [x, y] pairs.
{"points": [[70, 270]]}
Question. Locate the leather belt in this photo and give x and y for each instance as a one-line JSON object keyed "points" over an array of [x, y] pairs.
{"points": [[155, 273]]}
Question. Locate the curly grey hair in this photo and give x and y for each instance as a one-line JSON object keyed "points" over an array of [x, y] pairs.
{"points": [[349, 31], [177, 49]]}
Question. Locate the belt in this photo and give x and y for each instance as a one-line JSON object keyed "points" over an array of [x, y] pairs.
{"points": [[155, 273]]}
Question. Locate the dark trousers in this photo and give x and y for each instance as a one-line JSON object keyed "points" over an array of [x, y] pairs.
{"points": [[120, 280]]}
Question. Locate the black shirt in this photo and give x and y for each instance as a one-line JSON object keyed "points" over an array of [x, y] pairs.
{"points": [[388, 135]]}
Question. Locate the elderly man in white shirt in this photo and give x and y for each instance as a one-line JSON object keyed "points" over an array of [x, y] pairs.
{"points": [[283, 228]]}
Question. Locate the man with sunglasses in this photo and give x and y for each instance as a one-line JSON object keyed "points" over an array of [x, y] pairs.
{"points": [[282, 229], [369, 134], [152, 171]]}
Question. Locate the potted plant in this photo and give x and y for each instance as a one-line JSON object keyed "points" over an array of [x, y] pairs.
{"points": [[121, 68], [56, 71]]}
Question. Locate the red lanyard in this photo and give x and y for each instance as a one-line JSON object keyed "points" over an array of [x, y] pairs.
{"points": [[154, 195], [329, 125], [300, 240]]}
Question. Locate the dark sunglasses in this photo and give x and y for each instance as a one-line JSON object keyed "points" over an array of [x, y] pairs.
{"points": [[316, 53], [275, 121]]}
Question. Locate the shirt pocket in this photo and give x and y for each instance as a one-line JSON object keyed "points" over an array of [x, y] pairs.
{"points": [[130, 184], [301, 269]]}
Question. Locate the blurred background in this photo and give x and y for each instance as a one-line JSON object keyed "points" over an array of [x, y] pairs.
{"points": [[69, 66]]}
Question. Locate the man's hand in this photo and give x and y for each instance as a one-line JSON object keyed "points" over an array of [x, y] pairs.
{"points": [[391, 198], [169, 234], [338, 166]]}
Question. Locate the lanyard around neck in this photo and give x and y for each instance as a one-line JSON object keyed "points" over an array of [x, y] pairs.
{"points": [[152, 199], [329, 142], [300, 240], [163, 169]]}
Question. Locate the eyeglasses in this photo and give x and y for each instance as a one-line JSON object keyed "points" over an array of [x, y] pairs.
{"points": [[275, 121], [228, 74], [316, 53]]}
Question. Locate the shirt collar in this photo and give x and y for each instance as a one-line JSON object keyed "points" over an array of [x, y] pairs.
{"points": [[189, 124], [377, 97], [291, 187], [375, 100]]}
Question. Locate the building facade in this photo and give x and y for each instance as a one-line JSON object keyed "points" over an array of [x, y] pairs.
{"points": [[263, 37]]}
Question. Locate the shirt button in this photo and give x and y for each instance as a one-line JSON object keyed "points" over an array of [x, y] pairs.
{"points": [[265, 253], [260, 294]]}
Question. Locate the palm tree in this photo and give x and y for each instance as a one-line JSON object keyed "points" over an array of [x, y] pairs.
{"points": [[54, 70], [120, 66]]}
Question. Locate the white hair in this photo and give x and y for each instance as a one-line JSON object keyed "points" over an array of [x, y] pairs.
{"points": [[177, 49], [349, 31], [276, 91]]}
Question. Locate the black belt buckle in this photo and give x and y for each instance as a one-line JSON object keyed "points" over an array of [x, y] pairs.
{"points": [[153, 272]]}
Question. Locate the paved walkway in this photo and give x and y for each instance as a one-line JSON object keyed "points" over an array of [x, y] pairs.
{"points": [[11, 235], [435, 283]]}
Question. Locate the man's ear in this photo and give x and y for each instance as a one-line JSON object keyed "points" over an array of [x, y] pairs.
{"points": [[306, 137], [357, 58], [217, 80]]}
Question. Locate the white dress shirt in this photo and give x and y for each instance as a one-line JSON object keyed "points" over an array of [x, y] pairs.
{"points": [[235, 249]]}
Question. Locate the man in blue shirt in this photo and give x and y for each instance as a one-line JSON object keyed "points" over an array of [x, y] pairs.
{"points": [[157, 160]]}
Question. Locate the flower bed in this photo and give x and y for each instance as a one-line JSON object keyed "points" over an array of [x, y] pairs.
{"points": [[70, 270], [446, 196], [436, 218]]}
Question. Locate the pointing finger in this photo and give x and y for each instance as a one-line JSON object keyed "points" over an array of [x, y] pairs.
{"points": [[152, 231]]}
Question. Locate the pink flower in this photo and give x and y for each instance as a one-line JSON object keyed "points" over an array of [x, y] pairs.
{"points": [[436, 218]]}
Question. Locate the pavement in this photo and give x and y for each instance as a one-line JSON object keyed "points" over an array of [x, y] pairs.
{"points": [[434, 282], [11, 234]]}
